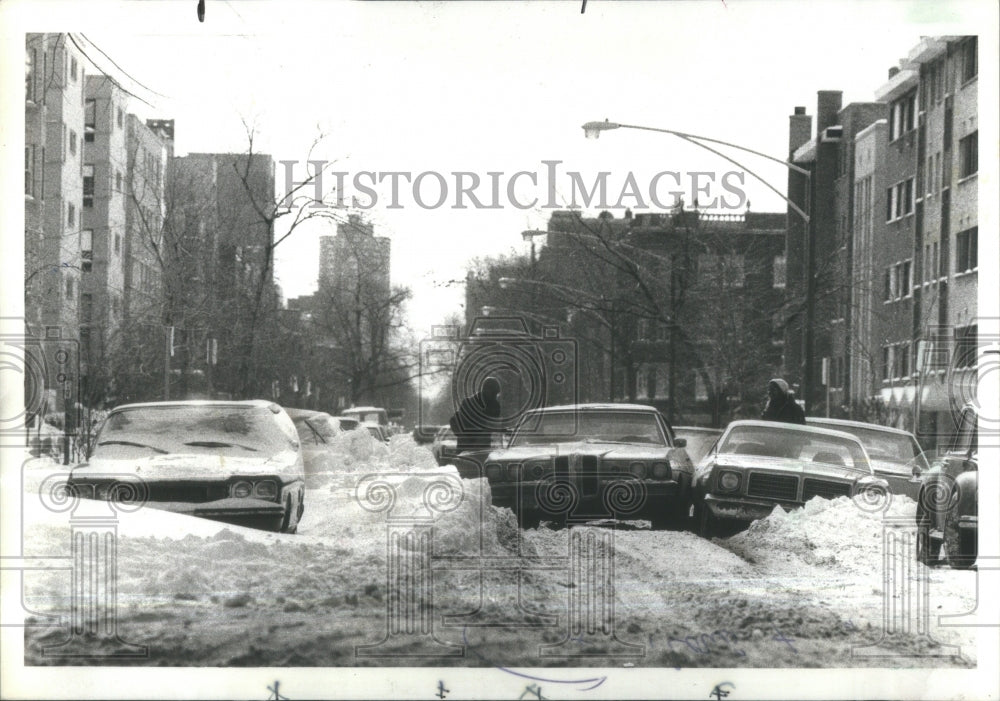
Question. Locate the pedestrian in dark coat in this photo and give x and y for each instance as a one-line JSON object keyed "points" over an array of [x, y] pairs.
{"points": [[478, 417], [781, 405]]}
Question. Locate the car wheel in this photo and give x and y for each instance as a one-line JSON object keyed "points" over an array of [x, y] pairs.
{"points": [[961, 545], [708, 525], [928, 549]]}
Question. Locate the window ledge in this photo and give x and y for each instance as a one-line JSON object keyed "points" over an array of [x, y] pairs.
{"points": [[973, 271], [969, 82], [967, 178]]}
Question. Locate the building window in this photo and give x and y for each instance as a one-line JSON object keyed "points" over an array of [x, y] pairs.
{"points": [[899, 200], [905, 286], [118, 244], [88, 186], [966, 250], [968, 154], [30, 60], [970, 65], [69, 288], [86, 250], [902, 360], [118, 180], [902, 116], [966, 346], [886, 363], [72, 142], [29, 170], [780, 268], [898, 281], [120, 117], [72, 68], [71, 214], [86, 307], [89, 119]]}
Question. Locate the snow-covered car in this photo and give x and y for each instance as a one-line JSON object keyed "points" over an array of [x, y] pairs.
{"points": [[895, 454], [369, 415], [316, 430], [698, 440], [423, 434], [347, 423], [948, 502], [445, 446], [233, 461], [757, 465], [607, 460], [377, 432]]}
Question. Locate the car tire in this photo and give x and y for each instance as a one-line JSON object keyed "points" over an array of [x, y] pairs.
{"points": [[960, 547], [708, 525], [928, 549]]}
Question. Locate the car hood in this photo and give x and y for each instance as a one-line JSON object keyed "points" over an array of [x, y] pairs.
{"points": [[786, 465], [606, 451], [191, 466]]}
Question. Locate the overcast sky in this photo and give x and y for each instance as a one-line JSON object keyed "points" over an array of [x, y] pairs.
{"points": [[493, 87]]}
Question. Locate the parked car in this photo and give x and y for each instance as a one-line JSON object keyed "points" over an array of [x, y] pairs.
{"points": [[896, 455], [316, 430], [445, 446], [948, 502], [757, 465], [369, 415], [233, 461], [602, 460], [347, 423], [377, 432], [698, 440]]}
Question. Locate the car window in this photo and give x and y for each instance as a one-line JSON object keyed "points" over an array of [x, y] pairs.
{"points": [[965, 438], [308, 433], [699, 443], [202, 429], [610, 426], [778, 442], [885, 446]]}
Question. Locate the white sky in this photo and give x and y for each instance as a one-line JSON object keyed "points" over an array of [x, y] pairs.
{"points": [[495, 87]]}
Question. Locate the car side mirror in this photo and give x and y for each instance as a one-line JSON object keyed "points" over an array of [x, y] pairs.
{"points": [[680, 442]]}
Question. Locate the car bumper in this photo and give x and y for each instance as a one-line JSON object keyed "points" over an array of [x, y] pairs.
{"points": [[745, 510], [656, 495], [252, 513]]}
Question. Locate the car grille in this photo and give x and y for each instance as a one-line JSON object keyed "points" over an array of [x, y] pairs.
{"points": [[821, 488], [780, 487]]}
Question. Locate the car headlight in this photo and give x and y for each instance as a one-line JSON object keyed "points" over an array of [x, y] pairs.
{"points": [[661, 470], [494, 471], [265, 490], [729, 481], [638, 469], [241, 490]]}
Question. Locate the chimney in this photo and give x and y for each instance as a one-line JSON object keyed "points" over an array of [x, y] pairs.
{"points": [[828, 103], [799, 129]]}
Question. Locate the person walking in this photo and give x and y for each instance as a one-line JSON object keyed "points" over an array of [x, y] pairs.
{"points": [[781, 404], [478, 418]]}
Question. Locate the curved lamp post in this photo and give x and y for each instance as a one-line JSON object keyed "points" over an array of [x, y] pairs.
{"points": [[592, 130]]}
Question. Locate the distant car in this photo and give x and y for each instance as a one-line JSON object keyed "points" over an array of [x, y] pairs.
{"points": [[316, 431], [698, 440], [896, 455], [948, 502], [347, 423], [445, 446], [757, 465], [377, 432], [368, 415], [599, 460], [233, 461]]}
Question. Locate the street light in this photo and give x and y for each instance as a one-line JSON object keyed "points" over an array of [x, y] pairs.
{"points": [[592, 130], [529, 235]]}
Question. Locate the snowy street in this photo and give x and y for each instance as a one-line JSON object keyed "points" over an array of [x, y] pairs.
{"points": [[795, 590]]}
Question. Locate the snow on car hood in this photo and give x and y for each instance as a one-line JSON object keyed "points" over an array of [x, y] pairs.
{"points": [[191, 466], [604, 450]]}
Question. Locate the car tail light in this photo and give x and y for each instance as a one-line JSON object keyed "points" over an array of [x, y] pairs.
{"points": [[494, 471], [265, 490], [638, 469], [242, 490], [661, 470], [729, 481]]}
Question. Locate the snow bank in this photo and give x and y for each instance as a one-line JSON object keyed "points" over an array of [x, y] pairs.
{"points": [[836, 534]]}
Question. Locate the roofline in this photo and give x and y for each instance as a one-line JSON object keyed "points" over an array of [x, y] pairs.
{"points": [[594, 406], [794, 427], [201, 402], [860, 424]]}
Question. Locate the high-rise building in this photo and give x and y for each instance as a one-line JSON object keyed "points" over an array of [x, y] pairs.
{"points": [[354, 257]]}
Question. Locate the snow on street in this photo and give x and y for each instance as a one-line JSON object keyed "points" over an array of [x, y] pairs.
{"points": [[797, 589]]}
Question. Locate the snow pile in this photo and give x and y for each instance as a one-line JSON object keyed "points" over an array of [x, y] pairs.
{"points": [[835, 534], [354, 453], [404, 452]]}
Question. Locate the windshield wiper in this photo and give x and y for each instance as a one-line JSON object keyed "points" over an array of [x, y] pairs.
{"points": [[219, 444], [137, 445]]}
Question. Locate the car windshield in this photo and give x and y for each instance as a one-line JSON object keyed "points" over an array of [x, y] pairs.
{"points": [[807, 446], [347, 424], [610, 426], [885, 446], [315, 430], [369, 417], [241, 431]]}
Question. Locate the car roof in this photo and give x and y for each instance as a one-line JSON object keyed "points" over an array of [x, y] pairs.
{"points": [[264, 403], [595, 407], [365, 408], [795, 427], [857, 424], [304, 413], [699, 429]]}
